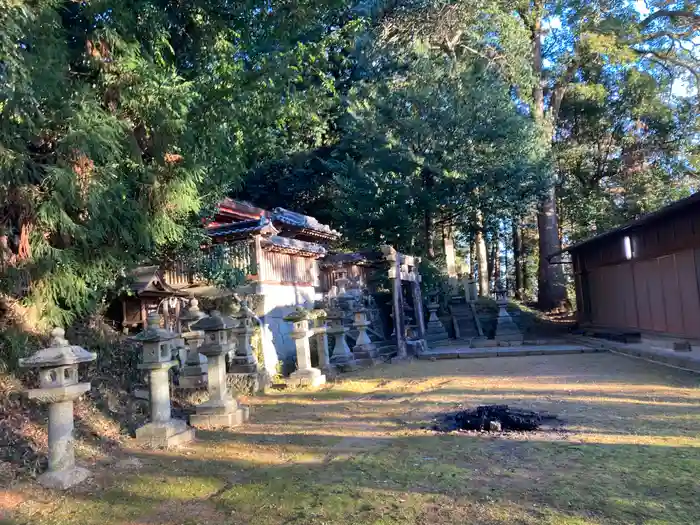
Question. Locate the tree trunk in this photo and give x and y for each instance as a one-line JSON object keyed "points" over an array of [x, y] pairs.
{"points": [[473, 258], [551, 290], [481, 257], [517, 262], [429, 235], [495, 262], [550, 277]]}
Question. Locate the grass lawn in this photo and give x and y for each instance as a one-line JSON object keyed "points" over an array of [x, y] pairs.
{"points": [[357, 453]]}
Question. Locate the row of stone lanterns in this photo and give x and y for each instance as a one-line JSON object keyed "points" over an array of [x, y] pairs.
{"points": [[59, 387]]}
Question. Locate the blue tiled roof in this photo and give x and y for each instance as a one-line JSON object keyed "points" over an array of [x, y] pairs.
{"points": [[294, 245], [306, 222], [240, 228]]}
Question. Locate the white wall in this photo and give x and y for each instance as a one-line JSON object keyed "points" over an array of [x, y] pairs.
{"points": [[278, 301]]}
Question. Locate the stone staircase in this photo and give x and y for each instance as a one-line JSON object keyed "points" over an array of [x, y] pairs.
{"points": [[464, 321]]}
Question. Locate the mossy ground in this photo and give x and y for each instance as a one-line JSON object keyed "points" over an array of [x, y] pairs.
{"points": [[357, 452]]}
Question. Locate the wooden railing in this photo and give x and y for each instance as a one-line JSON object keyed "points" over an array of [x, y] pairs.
{"points": [[181, 274]]}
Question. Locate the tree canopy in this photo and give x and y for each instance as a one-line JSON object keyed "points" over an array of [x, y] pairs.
{"points": [[123, 122]]}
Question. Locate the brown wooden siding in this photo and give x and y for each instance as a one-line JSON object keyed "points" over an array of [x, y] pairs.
{"points": [[658, 290], [285, 268]]}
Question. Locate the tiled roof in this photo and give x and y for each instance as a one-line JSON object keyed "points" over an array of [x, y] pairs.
{"points": [[293, 246], [243, 228], [304, 222]]}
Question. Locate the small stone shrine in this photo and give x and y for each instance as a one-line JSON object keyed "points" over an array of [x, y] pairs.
{"points": [[194, 373], [59, 387], [221, 410], [162, 431], [305, 374]]}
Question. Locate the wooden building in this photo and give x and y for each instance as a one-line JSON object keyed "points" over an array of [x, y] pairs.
{"points": [[643, 277]]}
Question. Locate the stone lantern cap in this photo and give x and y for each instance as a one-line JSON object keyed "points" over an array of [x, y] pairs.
{"points": [[193, 313], [299, 314], [60, 354], [154, 333], [214, 323]]}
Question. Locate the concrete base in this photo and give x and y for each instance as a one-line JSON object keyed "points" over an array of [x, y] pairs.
{"points": [[171, 434], [192, 381], [230, 419], [64, 479], [219, 413], [309, 377], [483, 343], [510, 342], [251, 368]]}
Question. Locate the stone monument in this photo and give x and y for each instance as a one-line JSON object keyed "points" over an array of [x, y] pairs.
{"points": [[59, 387], [221, 410], [156, 357], [305, 374]]}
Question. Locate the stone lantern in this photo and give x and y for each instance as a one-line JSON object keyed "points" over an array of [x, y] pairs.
{"points": [[156, 357], [320, 331], [244, 360], [221, 410], [435, 330], [342, 356], [305, 374], [194, 373], [365, 351], [59, 387]]}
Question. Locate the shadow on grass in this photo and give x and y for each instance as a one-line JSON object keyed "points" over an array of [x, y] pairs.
{"points": [[403, 479]]}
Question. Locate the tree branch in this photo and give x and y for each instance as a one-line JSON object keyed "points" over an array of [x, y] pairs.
{"points": [[665, 13]]}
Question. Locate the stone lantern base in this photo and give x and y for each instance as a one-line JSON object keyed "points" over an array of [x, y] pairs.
{"points": [[215, 414], [63, 479], [366, 355], [164, 435], [307, 377]]}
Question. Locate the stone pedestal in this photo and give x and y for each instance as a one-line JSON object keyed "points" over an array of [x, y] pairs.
{"points": [[435, 330], [221, 410], [342, 357], [305, 374], [364, 351], [59, 388], [162, 430]]}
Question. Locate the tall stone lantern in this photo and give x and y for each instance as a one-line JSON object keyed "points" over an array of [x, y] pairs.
{"points": [[305, 374], [156, 357], [244, 360], [59, 387], [221, 410], [365, 351], [342, 357], [194, 373]]}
